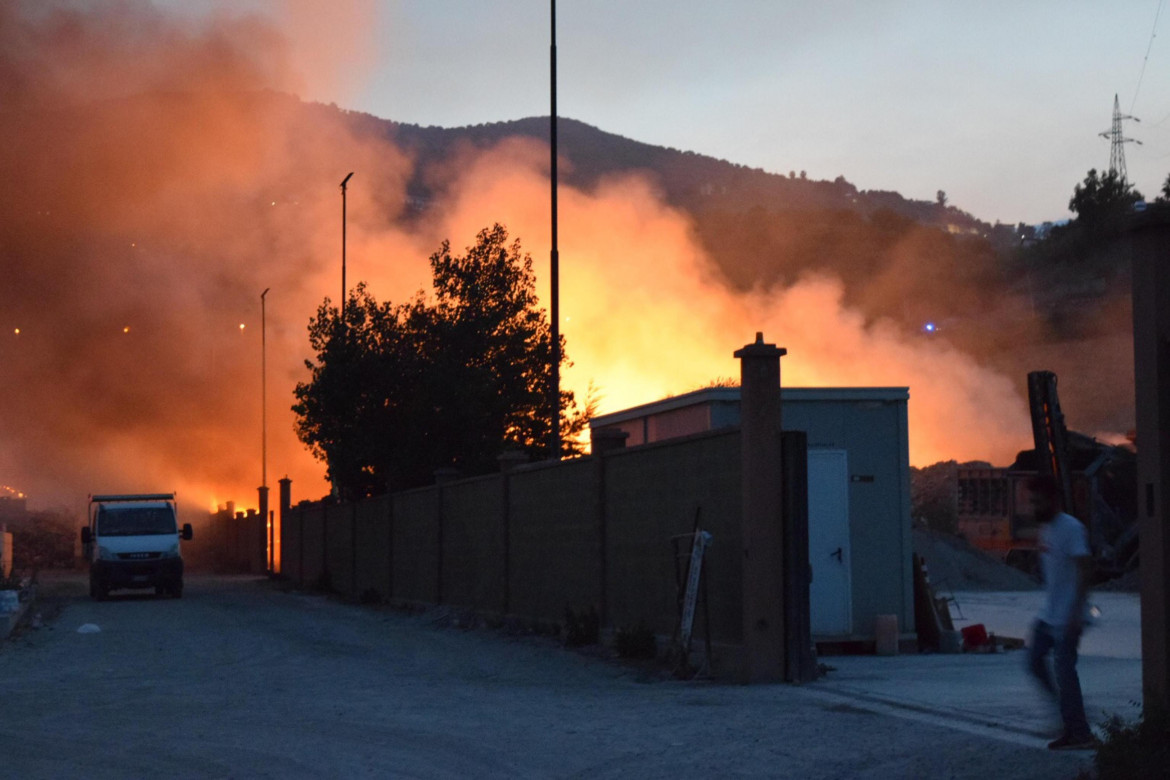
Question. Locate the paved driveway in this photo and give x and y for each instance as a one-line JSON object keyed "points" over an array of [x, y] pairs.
{"points": [[240, 680]]}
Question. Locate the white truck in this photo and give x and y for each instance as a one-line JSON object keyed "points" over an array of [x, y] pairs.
{"points": [[132, 541]]}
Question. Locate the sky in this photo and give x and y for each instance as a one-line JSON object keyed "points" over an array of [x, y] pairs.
{"points": [[182, 182], [998, 104]]}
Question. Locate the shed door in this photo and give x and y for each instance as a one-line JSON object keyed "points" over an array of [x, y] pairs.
{"points": [[831, 594]]}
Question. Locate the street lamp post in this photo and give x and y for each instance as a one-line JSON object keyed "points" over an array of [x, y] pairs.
{"points": [[344, 182], [264, 388], [264, 429]]}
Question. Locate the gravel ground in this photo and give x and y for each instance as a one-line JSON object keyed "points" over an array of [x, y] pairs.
{"points": [[239, 679]]}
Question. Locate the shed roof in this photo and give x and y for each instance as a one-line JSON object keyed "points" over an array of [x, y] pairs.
{"points": [[731, 395]]}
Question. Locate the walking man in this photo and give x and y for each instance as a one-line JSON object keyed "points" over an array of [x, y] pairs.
{"points": [[1066, 564]]}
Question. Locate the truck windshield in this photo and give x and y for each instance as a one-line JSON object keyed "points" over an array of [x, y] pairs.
{"points": [[135, 521]]}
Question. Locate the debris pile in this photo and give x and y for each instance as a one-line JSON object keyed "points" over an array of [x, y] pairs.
{"points": [[955, 565]]}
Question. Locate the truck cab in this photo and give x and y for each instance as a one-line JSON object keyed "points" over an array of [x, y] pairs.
{"points": [[132, 541]]}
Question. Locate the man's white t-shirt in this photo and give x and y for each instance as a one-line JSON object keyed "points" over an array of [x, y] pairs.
{"points": [[1062, 541]]}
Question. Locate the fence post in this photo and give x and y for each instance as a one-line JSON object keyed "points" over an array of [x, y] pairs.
{"points": [[508, 461], [285, 504], [442, 477], [603, 441]]}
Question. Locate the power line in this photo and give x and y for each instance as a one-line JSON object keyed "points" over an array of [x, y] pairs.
{"points": [[1146, 59]]}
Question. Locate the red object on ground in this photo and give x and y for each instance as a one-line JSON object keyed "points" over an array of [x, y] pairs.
{"points": [[974, 636]]}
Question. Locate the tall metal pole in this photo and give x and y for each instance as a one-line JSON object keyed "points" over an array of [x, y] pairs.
{"points": [[554, 259], [344, 182], [264, 388], [264, 513]]}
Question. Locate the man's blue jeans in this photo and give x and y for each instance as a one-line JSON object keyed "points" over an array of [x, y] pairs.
{"points": [[1067, 687]]}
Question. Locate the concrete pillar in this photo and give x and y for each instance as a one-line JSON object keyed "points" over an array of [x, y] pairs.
{"points": [[763, 552], [266, 528], [1150, 237], [285, 496], [285, 508]]}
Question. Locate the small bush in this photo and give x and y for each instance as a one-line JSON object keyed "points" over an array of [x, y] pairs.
{"points": [[637, 642], [582, 628], [1137, 749]]}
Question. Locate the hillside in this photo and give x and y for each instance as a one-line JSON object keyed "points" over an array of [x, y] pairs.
{"points": [[764, 229], [691, 181]]}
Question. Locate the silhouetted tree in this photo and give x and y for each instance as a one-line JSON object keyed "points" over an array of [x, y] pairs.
{"points": [[1078, 267], [1102, 202], [398, 391]]}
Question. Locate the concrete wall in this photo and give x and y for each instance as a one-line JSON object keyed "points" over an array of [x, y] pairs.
{"points": [[5, 552], [555, 538], [645, 508], [372, 549], [232, 542], [592, 532], [415, 566], [312, 544], [339, 546], [474, 523]]}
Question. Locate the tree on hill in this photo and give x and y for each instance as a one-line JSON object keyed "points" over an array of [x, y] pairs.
{"points": [[398, 391], [1078, 268]]}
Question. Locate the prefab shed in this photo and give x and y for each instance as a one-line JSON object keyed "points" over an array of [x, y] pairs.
{"points": [[859, 491]]}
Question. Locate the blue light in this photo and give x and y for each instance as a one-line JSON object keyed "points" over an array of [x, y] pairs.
{"points": [[929, 327]]}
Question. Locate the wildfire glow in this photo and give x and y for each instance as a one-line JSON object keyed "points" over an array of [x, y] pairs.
{"points": [[650, 319], [192, 178]]}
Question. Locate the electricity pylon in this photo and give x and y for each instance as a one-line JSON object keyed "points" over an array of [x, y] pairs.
{"points": [[1117, 141]]}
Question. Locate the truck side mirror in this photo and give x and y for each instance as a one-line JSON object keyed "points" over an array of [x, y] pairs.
{"points": [[86, 537], [187, 532]]}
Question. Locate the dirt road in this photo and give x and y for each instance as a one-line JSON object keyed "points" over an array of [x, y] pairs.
{"points": [[240, 680]]}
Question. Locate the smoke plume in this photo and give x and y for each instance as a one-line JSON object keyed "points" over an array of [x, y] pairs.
{"points": [[159, 178]]}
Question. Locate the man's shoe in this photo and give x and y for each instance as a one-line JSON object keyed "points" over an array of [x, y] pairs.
{"points": [[1071, 743]]}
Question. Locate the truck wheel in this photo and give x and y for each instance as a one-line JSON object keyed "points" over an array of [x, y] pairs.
{"points": [[177, 590]]}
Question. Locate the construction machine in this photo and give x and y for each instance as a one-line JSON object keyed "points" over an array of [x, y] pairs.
{"points": [[1097, 483]]}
